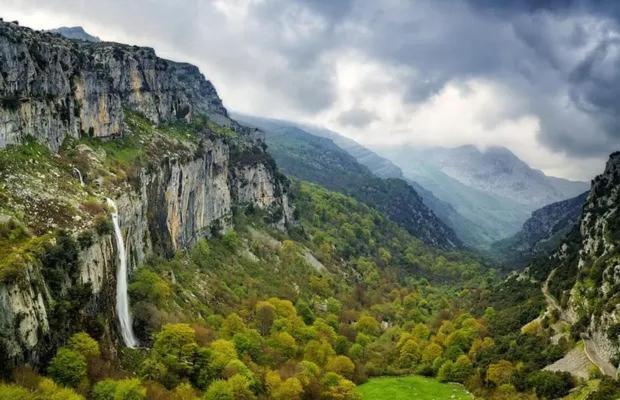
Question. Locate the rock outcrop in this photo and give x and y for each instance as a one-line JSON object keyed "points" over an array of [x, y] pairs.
{"points": [[331, 161], [586, 267], [53, 89], [541, 233]]}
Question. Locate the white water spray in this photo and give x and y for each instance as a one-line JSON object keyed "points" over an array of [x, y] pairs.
{"points": [[122, 299], [79, 174]]}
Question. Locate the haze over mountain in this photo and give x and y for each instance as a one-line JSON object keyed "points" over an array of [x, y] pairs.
{"points": [[318, 159], [469, 232], [493, 188]]}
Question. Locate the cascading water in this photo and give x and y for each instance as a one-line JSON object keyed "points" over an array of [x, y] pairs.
{"points": [[79, 174], [122, 299]]}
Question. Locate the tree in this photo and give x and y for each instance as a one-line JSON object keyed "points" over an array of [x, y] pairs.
{"points": [[457, 371], [125, 389], [341, 365], [219, 390], [409, 354], [338, 388], [550, 385], [172, 355], [318, 352], [289, 389], [500, 372], [82, 343], [264, 315], [431, 352], [232, 324], [222, 352], [285, 344], [68, 367], [240, 388], [368, 325], [184, 391]]}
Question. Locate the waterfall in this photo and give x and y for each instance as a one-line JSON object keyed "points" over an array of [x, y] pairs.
{"points": [[122, 299], [79, 174]]}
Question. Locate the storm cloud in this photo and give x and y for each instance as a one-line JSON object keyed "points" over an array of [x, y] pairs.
{"points": [[541, 77]]}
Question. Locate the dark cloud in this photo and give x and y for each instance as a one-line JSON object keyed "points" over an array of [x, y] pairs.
{"points": [[559, 58]]}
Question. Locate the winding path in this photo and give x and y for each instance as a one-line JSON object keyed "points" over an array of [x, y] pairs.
{"points": [[590, 346]]}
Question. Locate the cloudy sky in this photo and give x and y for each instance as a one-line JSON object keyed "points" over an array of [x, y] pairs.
{"points": [[539, 77]]}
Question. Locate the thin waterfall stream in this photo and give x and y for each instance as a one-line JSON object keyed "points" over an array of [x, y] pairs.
{"points": [[79, 174], [122, 298]]}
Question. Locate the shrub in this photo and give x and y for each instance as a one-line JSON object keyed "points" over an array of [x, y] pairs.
{"points": [[68, 367], [125, 389], [83, 344], [550, 385]]}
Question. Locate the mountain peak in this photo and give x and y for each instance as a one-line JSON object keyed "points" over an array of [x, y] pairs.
{"points": [[76, 32]]}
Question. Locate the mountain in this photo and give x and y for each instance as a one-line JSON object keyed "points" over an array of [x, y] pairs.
{"points": [[492, 188], [581, 276], [75, 32], [466, 230], [318, 159], [151, 248], [380, 166], [498, 171], [111, 148], [541, 233]]}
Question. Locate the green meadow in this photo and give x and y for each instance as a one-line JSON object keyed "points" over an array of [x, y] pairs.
{"points": [[411, 387]]}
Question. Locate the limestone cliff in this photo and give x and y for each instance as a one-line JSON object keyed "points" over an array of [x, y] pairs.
{"points": [[149, 133], [541, 233], [52, 87], [585, 275]]}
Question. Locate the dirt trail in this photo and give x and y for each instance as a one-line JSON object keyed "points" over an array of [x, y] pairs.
{"points": [[590, 347], [591, 350]]}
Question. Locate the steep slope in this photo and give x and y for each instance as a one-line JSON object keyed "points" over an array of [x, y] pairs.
{"points": [[541, 233], [583, 272], [380, 166], [52, 88], [468, 232], [82, 122], [319, 160]]}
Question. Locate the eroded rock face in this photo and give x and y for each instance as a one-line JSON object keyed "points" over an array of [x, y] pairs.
{"points": [[589, 264], [174, 206], [52, 87]]}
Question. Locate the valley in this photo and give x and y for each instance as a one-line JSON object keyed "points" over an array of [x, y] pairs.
{"points": [[155, 246]]}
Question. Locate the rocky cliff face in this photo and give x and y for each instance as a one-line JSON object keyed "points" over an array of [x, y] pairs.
{"points": [[52, 87], [586, 277], [110, 112], [541, 233]]}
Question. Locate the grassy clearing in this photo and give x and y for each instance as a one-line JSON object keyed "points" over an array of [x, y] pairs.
{"points": [[411, 387]]}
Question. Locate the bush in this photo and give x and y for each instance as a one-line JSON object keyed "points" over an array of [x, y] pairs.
{"points": [[219, 390], [550, 385], [103, 225], [68, 367], [125, 389], [83, 344]]}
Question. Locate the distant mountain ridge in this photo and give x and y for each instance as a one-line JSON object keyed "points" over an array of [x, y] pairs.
{"points": [[498, 171], [319, 160], [541, 233], [493, 188], [75, 32]]}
